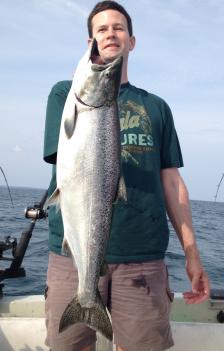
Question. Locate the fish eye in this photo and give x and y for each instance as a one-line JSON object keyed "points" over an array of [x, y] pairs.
{"points": [[108, 74]]}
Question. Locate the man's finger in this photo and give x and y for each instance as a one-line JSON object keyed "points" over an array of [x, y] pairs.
{"points": [[193, 298], [195, 283]]}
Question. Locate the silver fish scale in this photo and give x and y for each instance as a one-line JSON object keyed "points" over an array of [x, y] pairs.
{"points": [[93, 182], [88, 174], [102, 173]]}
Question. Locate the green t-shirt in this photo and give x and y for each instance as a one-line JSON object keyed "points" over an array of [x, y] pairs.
{"points": [[139, 229]]}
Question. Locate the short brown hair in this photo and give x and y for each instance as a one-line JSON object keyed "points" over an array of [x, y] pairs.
{"points": [[108, 5]]}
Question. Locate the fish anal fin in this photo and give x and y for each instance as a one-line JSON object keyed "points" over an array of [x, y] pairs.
{"points": [[70, 122], [95, 317]]}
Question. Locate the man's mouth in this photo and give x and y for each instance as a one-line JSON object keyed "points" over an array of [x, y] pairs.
{"points": [[111, 45]]}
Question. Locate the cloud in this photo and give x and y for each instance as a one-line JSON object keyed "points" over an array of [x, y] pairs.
{"points": [[41, 30], [17, 149], [69, 7], [76, 8]]}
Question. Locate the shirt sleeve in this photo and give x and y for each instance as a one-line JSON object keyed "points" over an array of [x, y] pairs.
{"points": [[55, 106], [171, 155]]}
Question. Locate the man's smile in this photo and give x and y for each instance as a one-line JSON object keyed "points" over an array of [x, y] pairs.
{"points": [[111, 45]]}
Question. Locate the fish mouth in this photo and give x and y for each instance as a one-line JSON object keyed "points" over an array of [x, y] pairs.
{"points": [[110, 79], [95, 58], [97, 62], [94, 54]]}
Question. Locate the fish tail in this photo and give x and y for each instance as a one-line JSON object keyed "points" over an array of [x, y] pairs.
{"points": [[95, 317]]}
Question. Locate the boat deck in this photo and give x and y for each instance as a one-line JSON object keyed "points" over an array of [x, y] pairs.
{"points": [[195, 327]]}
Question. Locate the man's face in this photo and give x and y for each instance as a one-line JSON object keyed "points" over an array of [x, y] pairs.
{"points": [[111, 32]]}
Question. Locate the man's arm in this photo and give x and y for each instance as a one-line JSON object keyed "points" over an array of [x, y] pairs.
{"points": [[179, 212]]}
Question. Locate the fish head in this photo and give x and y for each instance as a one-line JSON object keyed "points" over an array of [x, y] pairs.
{"points": [[97, 83]]}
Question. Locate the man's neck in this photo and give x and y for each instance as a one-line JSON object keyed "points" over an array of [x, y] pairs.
{"points": [[124, 75]]}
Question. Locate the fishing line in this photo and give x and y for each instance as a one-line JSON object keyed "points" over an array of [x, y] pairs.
{"points": [[7, 186], [219, 186]]}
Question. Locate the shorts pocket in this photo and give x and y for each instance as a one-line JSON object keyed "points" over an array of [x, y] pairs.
{"points": [[45, 292], [170, 294]]}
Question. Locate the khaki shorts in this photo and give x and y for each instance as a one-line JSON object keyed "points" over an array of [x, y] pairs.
{"points": [[137, 295]]}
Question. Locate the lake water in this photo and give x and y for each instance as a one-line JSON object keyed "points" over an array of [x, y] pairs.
{"points": [[208, 219]]}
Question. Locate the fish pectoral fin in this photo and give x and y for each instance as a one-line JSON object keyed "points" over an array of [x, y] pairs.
{"points": [[65, 249], [54, 199], [121, 191], [95, 317], [70, 122]]}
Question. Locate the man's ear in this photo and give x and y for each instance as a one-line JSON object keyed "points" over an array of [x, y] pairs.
{"points": [[90, 40], [132, 43]]}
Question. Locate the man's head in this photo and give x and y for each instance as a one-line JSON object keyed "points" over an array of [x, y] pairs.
{"points": [[108, 5], [111, 26]]}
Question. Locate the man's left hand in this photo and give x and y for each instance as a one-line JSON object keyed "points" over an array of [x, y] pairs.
{"points": [[199, 283]]}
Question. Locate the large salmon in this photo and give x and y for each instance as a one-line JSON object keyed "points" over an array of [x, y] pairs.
{"points": [[89, 181]]}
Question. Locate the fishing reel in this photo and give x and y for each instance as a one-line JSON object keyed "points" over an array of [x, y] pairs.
{"points": [[35, 212], [13, 271], [9, 243]]}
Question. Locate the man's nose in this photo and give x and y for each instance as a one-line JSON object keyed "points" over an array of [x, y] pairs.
{"points": [[111, 32]]}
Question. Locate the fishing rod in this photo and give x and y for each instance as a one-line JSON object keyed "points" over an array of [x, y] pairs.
{"points": [[7, 185], [218, 187], [18, 251]]}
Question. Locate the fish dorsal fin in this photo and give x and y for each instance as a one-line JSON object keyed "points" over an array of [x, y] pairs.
{"points": [[69, 123]]}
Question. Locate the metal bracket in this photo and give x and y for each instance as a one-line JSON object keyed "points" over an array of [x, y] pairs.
{"points": [[216, 301]]}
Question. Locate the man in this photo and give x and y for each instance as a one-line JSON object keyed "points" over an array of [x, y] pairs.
{"points": [[135, 287]]}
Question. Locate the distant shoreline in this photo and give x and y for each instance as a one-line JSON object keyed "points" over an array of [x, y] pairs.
{"points": [[43, 189], [21, 187]]}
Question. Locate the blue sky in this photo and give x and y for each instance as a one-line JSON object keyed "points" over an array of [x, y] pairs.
{"points": [[179, 56]]}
